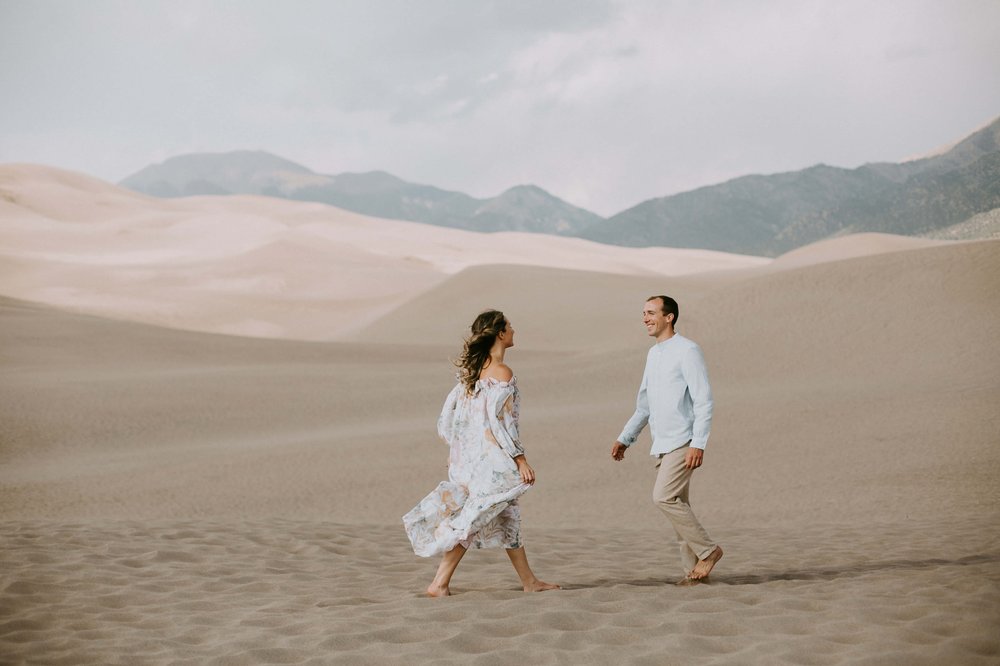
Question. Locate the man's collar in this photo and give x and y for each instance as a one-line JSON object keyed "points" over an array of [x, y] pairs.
{"points": [[658, 342]]}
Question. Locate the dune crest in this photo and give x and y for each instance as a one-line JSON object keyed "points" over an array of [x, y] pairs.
{"points": [[849, 247], [257, 266], [248, 265]]}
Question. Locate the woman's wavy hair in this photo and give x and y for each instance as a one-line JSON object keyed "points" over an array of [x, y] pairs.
{"points": [[485, 329]]}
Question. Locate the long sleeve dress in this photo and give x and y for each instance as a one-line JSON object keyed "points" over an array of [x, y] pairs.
{"points": [[477, 506]]}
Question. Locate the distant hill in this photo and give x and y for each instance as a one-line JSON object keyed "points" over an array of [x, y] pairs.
{"points": [[240, 172], [760, 215], [769, 215], [376, 193]]}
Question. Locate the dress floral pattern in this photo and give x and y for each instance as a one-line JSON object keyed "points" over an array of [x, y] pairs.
{"points": [[477, 506]]}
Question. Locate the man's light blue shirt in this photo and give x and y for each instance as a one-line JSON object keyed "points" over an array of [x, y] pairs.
{"points": [[674, 398]]}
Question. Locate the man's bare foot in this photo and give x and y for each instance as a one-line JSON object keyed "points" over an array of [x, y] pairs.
{"points": [[687, 581], [704, 567], [541, 586], [438, 591]]}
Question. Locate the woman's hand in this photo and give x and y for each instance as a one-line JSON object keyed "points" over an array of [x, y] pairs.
{"points": [[527, 474]]}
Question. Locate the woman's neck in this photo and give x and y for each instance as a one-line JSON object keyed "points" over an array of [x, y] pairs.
{"points": [[496, 355]]}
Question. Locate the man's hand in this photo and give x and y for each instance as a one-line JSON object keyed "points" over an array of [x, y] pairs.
{"points": [[693, 457], [618, 451]]}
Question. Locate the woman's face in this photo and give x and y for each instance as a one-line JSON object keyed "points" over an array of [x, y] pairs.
{"points": [[508, 335]]}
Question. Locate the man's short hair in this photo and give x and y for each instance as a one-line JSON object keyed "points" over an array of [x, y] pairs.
{"points": [[669, 306]]}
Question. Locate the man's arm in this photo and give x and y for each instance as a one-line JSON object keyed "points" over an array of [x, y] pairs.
{"points": [[635, 424], [696, 375]]}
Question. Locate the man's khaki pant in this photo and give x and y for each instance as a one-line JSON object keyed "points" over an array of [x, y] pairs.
{"points": [[670, 495]]}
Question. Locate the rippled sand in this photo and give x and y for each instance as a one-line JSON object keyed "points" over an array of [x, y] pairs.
{"points": [[311, 592]]}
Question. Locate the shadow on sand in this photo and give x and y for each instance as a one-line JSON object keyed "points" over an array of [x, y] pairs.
{"points": [[799, 574]]}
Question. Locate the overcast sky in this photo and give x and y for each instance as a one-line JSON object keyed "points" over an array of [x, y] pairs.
{"points": [[603, 103]]}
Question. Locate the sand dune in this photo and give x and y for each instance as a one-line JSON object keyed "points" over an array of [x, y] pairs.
{"points": [[257, 266], [763, 350], [849, 247], [177, 497]]}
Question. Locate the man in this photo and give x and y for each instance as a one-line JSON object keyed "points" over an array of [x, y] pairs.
{"points": [[676, 400]]}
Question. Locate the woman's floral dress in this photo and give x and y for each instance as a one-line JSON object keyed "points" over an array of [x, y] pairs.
{"points": [[477, 506]]}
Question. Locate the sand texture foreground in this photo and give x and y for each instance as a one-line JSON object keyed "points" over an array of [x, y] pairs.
{"points": [[182, 497], [297, 592]]}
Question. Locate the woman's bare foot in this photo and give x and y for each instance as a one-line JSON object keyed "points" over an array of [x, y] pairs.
{"points": [[434, 590], [540, 586], [704, 567]]}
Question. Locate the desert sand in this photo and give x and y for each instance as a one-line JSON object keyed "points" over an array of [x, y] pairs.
{"points": [[258, 266], [174, 494]]}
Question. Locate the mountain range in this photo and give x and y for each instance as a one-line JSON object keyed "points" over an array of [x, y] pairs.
{"points": [[769, 215], [376, 193], [760, 214]]}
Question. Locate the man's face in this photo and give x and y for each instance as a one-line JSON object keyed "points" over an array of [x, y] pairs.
{"points": [[652, 316]]}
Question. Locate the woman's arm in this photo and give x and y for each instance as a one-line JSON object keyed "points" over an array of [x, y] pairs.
{"points": [[502, 409]]}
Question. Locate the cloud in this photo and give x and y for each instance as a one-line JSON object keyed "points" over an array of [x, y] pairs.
{"points": [[604, 103]]}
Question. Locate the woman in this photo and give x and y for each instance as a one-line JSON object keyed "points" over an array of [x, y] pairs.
{"points": [[487, 471]]}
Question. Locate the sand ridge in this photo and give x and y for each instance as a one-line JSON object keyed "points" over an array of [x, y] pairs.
{"points": [[257, 266]]}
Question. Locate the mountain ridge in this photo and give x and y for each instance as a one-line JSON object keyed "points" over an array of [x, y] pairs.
{"points": [[772, 214], [752, 214], [375, 193]]}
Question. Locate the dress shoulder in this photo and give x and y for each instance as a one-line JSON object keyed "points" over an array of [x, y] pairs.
{"points": [[491, 384]]}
